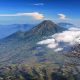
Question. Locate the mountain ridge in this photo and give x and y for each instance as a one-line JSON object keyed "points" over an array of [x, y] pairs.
{"points": [[45, 28]]}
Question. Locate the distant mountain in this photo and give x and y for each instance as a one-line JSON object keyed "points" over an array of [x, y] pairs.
{"points": [[66, 25], [6, 30], [25, 27], [21, 47]]}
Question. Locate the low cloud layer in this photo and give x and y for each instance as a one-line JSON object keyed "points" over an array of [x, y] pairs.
{"points": [[64, 40], [35, 15]]}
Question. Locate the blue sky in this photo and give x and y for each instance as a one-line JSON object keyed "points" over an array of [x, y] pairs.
{"points": [[33, 11]]}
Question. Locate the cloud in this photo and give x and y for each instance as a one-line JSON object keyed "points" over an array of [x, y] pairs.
{"points": [[35, 15], [58, 49], [62, 41], [39, 4], [62, 16]]}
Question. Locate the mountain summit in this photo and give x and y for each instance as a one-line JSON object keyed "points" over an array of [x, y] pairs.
{"points": [[44, 29], [47, 27]]}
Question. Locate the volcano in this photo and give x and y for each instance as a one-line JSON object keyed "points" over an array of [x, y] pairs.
{"points": [[44, 29]]}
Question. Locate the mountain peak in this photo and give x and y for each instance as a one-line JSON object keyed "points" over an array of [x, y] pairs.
{"points": [[47, 23], [45, 28]]}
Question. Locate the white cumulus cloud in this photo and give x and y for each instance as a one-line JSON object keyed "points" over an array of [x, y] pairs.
{"points": [[35, 15], [62, 16]]}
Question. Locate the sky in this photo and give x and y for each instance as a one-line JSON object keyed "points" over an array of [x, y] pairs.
{"points": [[34, 11]]}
